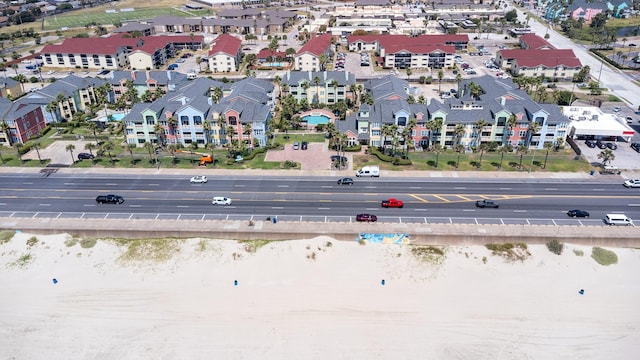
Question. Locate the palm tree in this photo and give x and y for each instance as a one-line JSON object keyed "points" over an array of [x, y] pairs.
{"points": [[458, 131], [149, 147], [475, 90], [192, 148], [534, 127], [107, 147], [90, 146], [482, 148], [547, 146], [459, 149], [158, 130], [511, 123], [521, 149], [503, 150], [206, 127], [36, 146], [70, 149], [316, 80], [607, 156], [480, 124], [440, 77], [130, 147], [1, 158], [6, 129], [93, 127], [18, 146], [437, 149]]}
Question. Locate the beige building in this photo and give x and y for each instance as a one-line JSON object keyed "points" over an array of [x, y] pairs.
{"points": [[308, 58], [225, 54]]}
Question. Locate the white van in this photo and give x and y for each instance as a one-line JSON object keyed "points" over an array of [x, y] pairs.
{"points": [[617, 219], [191, 76], [372, 171]]}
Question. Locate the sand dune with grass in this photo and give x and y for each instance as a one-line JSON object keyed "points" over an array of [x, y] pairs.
{"points": [[312, 299]]}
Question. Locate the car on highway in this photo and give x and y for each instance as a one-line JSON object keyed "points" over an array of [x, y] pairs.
{"points": [[110, 199], [392, 203], [632, 183], [199, 179], [487, 204], [366, 218], [578, 213], [85, 156], [345, 181], [220, 200]]}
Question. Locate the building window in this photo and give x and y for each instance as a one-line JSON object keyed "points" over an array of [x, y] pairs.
{"points": [[522, 133]]}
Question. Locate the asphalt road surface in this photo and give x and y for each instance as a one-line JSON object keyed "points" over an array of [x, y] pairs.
{"points": [[314, 198]]}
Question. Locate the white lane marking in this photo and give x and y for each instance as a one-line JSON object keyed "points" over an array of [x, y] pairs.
{"points": [[111, 184], [460, 187], [505, 188], [551, 188], [415, 187], [89, 205], [326, 186], [468, 210], [136, 206], [69, 183], [45, 204], [420, 209], [370, 187], [283, 186], [520, 211], [28, 183], [597, 189], [154, 184], [634, 204], [324, 208], [183, 206], [277, 207], [373, 209]]}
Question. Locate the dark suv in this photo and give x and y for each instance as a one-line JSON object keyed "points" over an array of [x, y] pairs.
{"points": [[590, 143], [487, 204], [85, 156], [109, 199], [636, 147]]}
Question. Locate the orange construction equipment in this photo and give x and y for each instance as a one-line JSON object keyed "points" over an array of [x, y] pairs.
{"points": [[204, 157]]}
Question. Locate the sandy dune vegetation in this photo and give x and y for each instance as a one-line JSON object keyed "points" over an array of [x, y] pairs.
{"points": [[312, 299]]}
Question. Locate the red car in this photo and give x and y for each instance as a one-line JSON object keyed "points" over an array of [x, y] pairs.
{"points": [[366, 217], [392, 203]]}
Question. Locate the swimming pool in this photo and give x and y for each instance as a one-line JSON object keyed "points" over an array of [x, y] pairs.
{"points": [[114, 117], [316, 119], [274, 64]]}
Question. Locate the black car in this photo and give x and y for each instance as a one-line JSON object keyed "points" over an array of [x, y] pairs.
{"points": [[636, 147], [366, 217], [577, 213], [304, 145], [109, 199], [611, 146], [487, 204], [104, 72], [345, 181], [590, 143], [601, 145], [85, 156]]}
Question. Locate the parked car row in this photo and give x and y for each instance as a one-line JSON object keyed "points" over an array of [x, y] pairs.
{"points": [[340, 58], [600, 144]]}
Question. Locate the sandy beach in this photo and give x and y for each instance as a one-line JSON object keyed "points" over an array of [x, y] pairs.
{"points": [[310, 299]]}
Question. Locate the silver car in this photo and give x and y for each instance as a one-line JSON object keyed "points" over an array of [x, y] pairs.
{"points": [[220, 200]]}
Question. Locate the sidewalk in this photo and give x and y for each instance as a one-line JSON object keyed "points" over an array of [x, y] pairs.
{"points": [[524, 175]]}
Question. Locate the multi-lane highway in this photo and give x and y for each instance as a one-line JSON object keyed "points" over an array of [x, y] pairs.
{"points": [[313, 198]]}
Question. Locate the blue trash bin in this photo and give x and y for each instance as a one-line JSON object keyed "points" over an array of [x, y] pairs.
{"points": [[592, 172], [275, 219]]}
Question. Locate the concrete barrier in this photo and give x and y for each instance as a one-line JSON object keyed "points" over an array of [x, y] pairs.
{"points": [[432, 234]]}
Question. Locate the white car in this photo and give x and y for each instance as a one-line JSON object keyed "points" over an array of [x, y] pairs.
{"points": [[221, 200], [199, 179], [634, 183]]}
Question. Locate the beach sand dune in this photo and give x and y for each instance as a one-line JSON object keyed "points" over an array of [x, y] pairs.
{"points": [[312, 299]]}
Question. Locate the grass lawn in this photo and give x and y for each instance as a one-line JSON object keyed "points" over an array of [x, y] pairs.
{"points": [[99, 16], [290, 138], [446, 161]]}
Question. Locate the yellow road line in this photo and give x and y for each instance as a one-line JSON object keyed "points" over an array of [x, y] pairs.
{"points": [[419, 198], [464, 198], [441, 198]]}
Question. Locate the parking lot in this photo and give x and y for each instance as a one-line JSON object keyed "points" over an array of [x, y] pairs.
{"points": [[316, 157]]}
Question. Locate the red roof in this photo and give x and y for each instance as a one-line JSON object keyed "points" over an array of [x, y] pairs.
{"points": [[265, 53], [226, 44], [316, 46], [534, 41], [549, 58], [103, 46], [111, 44]]}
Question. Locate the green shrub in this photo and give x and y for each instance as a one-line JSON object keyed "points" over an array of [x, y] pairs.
{"points": [[578, 252], [87, 243], [32, 241], [6, 236], [555, 246], [517, 251], [603, 256]]}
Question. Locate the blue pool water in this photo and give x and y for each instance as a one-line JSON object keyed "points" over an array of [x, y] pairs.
{"points": [[274, 64], [316, 119], [115, 117]]}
